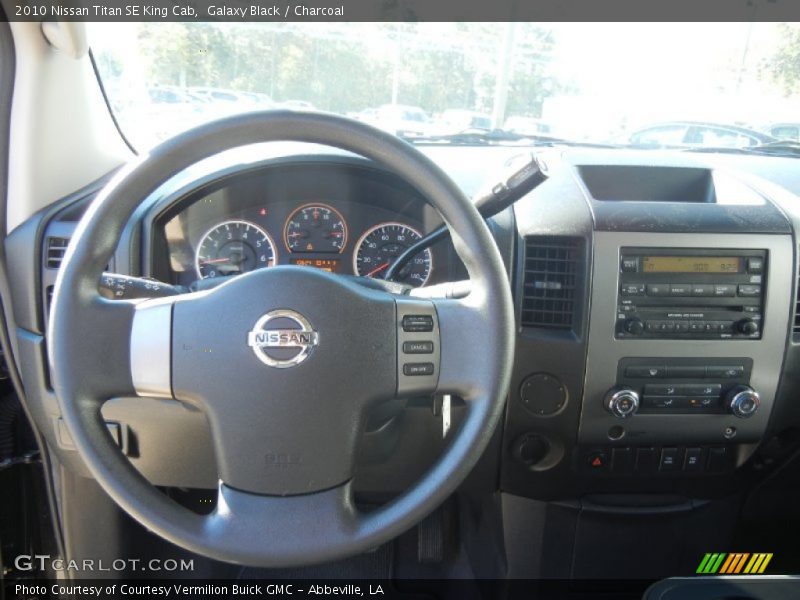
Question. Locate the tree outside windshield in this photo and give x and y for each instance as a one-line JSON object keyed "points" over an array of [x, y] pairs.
{"points": [[647, 85]]}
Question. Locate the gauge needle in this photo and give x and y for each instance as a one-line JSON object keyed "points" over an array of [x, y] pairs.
{"points": [[215, 261], [378, 269]]}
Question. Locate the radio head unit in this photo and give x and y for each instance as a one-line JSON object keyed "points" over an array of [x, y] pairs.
{"points": [[689, 293]]}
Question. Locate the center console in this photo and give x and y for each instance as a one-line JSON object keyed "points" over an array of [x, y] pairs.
{"points": [[649, 368], [683, 351]]}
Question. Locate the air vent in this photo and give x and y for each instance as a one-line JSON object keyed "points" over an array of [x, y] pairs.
{"points": [[56, 248], [796, 325], [551, 281]]}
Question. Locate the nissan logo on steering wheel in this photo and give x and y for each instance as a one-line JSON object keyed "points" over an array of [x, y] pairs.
{"points": [[282, 338]]}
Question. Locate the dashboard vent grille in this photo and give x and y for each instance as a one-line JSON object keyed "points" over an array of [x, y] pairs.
{"points": [[796, 325], [551, 281], [56, 248]]}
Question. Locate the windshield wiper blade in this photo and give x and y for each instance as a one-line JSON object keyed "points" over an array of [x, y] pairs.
{"points": [[475, 137], [469, 137], [781, 148]]}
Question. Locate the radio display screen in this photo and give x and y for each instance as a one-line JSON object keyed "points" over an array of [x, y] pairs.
{"points": [[692, 264]]}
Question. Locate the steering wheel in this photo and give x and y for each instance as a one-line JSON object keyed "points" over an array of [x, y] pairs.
{"points": [[285, 362]]}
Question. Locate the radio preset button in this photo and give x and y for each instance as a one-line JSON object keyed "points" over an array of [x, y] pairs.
{"points": [[680, 289], [632, 289], [681, 326], [725, 290], [663, 326], [702, 289], [723, 326], [658, 289], [749, 291]]}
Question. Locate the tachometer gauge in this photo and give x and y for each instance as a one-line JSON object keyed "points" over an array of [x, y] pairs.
{"points": [[234, 247], [315, 228], [379, 246]]}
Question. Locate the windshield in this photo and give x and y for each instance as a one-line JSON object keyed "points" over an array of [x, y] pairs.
{"points": [[659, 85]]}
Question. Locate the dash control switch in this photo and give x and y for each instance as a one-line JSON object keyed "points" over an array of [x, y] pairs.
{"points": [[422, 347], [417, 323], [622, 402], [418, 347]]}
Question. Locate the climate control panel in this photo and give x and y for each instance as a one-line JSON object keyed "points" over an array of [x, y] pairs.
{"points": [[677, 386]]}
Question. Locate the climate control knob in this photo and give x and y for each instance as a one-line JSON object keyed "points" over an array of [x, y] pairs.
{"points": [[622, 402], [743, 401]]}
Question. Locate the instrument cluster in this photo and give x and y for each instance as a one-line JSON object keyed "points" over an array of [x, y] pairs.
{"points": [[346, 224]]}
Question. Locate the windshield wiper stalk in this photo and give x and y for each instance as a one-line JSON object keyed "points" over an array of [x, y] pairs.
{"points": [[524, 173]]}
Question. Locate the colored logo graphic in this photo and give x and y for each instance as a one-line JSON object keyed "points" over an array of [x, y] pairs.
{"points": [[736, 563]]}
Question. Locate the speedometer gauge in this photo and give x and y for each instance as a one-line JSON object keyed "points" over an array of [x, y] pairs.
{"points": [[315, 228], [234, 247], [379, 246]]}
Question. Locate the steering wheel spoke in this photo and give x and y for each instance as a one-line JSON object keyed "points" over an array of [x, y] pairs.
{"points": [[151, 348], [468, 356], [99, 344], [242, 521]]}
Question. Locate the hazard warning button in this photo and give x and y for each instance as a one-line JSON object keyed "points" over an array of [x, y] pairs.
{"points": [[597, 460]]}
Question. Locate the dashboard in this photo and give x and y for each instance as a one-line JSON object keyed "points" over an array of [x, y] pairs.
{"points": [[348, 220], [657, 356], [655, 294]]}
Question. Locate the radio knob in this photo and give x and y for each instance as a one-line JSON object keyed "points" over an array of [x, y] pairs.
{"points": [[634, 326], [622, 402], [747, 326], [743, 401]]}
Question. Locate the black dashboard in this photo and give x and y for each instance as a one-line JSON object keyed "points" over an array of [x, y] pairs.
{"points": [[589, 325]]}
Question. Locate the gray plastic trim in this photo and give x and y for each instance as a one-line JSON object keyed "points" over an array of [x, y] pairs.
{"points": [[605, 352], [151, 348]]}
